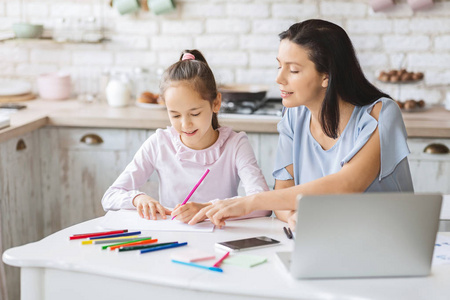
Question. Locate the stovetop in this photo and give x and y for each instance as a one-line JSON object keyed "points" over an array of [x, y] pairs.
{"points": [[265, 107]]}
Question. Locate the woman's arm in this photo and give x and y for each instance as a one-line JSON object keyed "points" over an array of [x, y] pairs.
{"points": [[283, 215], [354, 177]]}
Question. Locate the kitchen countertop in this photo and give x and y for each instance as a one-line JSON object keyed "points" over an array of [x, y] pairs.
{"points": [[432, 123]]}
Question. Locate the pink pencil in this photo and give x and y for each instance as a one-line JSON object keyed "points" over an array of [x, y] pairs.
{"points": [[217, 264], [193, 190]]}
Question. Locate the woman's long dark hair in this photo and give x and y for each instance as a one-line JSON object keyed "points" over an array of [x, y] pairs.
{"points": [[332, 52], [195, 72]]}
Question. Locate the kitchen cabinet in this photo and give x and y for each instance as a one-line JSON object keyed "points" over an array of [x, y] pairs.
{"points": [[430, 172], [21, 209], [79, 164]]}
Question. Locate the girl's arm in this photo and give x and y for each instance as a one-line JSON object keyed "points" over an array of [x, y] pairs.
{"points": [[250, 174], [125, 189]]}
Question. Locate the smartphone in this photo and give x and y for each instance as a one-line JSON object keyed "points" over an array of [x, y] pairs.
{"points": [[247, 244]]}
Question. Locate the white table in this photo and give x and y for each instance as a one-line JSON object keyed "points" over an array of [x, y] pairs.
{"points": [[56, 268]]}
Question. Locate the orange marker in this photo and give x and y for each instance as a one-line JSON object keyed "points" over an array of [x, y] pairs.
{"points": [[134, 244]]}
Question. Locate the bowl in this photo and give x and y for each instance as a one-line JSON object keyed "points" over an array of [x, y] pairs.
{"points": [[242, 92], [54, 86], [27, 31]]}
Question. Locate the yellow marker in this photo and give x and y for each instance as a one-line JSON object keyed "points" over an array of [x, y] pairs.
{"points": [[109, 240]]}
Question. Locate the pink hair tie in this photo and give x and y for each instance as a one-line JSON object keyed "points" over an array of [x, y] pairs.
{"points": [[188, 56]]}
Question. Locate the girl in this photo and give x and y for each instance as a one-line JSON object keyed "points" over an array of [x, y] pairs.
{"points": [[181, 153], [339, 133]]}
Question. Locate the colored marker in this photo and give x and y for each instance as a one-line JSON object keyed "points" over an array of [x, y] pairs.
{"points": [[78, 234], [111, 240], [197, 265], [123, 243], [115, 235], [140, 247], [163, 247], [193, 190], [144, 242], [217, 264], [88, 235]]}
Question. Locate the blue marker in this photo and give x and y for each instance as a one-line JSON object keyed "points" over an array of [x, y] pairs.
{"points": [[115, 235], [198, 266], [163, 247]]}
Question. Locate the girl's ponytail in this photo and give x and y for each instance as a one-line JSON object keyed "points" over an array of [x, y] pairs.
{"points": [[193, 70]]}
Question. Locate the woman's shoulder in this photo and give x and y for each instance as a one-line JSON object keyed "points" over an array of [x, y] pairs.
{"points": [[382, 110], [293, 116]]}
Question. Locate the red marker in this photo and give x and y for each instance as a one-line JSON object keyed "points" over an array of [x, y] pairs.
{"points": [[217, 264], [88, 235], [193, 190]]}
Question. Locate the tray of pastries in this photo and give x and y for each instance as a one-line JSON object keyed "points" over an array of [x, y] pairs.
{"points": [[150, 100], [412, 105], [400, 76]]}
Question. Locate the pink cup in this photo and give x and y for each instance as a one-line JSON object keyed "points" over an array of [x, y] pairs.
{"points": [[54, 86], [378, 5], [420, 4]]}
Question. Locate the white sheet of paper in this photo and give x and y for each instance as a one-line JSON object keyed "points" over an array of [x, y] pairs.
{"points": [[130, 219], [441, 253]]}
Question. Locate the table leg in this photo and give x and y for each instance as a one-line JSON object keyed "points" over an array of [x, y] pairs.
{"points": [[32, 283]]}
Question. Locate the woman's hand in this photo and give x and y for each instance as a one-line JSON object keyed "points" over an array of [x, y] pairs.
{"points": [[292, 220], [184, 213], [224, 209], [148, 207]]}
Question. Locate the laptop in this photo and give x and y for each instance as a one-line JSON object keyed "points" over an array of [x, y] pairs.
{"points": [[364, 235]]}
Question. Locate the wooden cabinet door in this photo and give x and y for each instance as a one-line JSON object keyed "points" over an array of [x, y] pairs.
{"points": [[430, 172], [21, 209], [80, 164]]}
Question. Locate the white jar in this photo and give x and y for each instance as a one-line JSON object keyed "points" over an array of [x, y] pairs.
{"points": [[118, 93]]}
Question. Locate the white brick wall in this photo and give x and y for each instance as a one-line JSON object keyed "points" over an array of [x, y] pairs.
{"points": [[220, 25], [239, 39]]}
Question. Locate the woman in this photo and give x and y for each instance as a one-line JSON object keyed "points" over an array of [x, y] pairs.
{"points": [[339, 133]]}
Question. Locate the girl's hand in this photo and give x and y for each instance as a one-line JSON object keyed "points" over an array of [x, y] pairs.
{"points": [[184, 213], [148, 207], [292, 220], [222, 210]]}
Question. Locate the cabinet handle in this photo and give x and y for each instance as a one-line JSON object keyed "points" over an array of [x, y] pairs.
{"points": [[436, 149], [21, 145], [91, 139]]}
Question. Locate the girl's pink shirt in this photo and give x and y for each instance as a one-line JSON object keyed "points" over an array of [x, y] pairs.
{"points": [[230, 159]]}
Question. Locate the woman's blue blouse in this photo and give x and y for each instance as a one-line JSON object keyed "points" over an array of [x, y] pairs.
{"points": [[297, 146]]}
